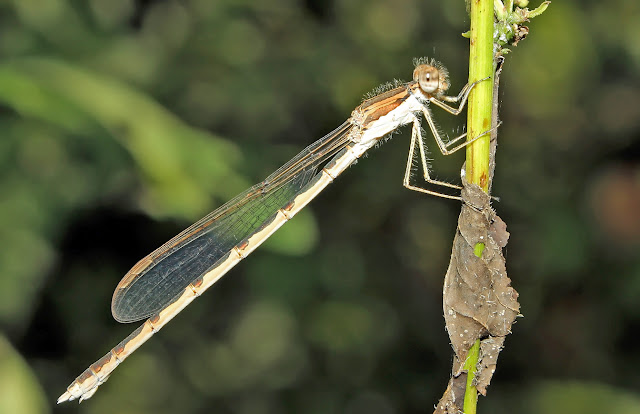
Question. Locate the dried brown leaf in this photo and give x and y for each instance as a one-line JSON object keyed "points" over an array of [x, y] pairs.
{"points": [[478, 300], [452, 401]]}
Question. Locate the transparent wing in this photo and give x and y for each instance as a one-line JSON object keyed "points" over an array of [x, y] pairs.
{"points": [[159, 279]]}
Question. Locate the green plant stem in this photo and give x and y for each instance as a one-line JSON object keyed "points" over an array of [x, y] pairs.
{"points": [[471, 395], [480, 99], [478, 153]]}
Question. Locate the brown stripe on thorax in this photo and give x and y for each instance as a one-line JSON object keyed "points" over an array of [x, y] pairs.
{"points": [[380, 105]]}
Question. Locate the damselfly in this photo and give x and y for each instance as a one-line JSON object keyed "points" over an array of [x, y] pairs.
{"points": [[160, 285]]}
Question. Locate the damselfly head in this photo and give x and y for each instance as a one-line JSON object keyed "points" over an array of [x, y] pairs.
{"points": [[432, 77]]}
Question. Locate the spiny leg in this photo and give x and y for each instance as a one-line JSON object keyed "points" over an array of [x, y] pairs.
{"points": [[462, 97], [416, 136], [445, 147]]}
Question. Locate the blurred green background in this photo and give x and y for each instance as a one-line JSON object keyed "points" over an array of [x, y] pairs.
{"points": [[123, 121]]}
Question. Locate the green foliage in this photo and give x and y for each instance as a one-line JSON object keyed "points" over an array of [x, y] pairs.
{"points": [[20, 391]]}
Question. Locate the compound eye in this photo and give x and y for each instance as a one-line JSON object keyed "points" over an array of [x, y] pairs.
{"points": [[427, 77]]}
